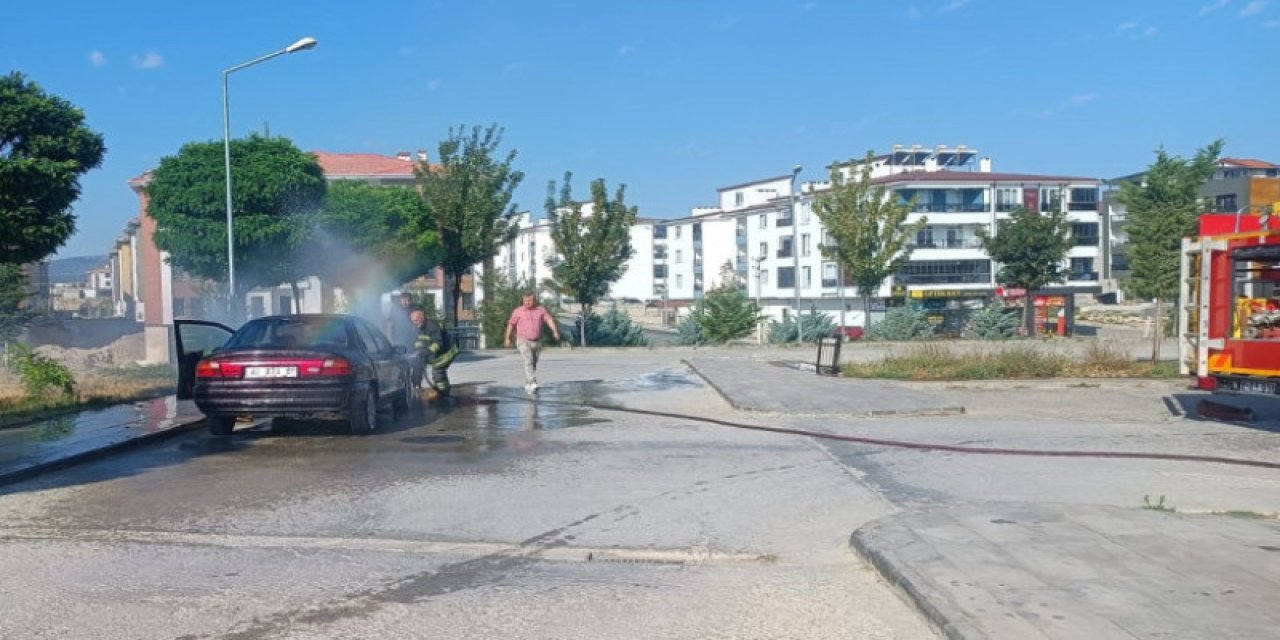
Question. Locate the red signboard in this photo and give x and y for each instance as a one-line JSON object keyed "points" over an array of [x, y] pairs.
{"points": [[1212, 224]]}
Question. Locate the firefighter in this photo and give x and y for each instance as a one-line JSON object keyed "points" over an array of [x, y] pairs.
{"points": [[434, 351]]}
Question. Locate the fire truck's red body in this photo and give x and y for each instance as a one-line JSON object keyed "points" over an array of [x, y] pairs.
{"points": [[1229, 324]]}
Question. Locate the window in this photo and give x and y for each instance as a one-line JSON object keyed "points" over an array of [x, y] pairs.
{"points": [[679, 256], [1050, 199], [945, 272], [1225, 203], [764, 276], [660, 232], [1083, 199], [679, 281], [1082, 269], [365, 332], [786, 247], [764, 249], [737, 199], [660, 271], [1008, 198], [678, 229], [786, 277], [807, 276], [827, 239], [804, 213], [697, 231], [1085, 234], [924, 238], [764, 220], [804, 245], [257, 306], [286, 304], [830, 276]]}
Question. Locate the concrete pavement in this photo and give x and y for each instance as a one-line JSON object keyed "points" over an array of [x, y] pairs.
{"points": [[983, 570]]}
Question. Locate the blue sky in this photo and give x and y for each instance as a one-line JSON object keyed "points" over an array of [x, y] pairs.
{"points": [[675, 99]]}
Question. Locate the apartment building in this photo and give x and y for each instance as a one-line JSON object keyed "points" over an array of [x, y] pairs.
{"points": [[1242, 185], [762, 237]]}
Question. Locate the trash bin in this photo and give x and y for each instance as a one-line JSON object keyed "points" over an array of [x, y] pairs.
{"points": [[828, 363]]}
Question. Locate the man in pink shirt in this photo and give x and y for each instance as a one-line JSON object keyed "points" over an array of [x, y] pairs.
{"points": [[526, 321]]}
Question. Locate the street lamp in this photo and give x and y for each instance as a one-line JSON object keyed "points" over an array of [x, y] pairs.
{"points": [[760, 322], [301, 45], [795, 248]]}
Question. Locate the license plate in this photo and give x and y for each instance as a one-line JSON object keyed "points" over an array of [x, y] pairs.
{"points": [[270, 372]]}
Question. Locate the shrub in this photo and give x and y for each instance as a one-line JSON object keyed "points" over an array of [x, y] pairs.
{"points": [[992, 323], [726, 313], [613, 329], [41, 376], [816, 325], [902, 323], [689, 332]]}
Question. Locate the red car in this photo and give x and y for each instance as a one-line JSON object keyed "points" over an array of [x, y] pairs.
{"points": [[295, 366]]}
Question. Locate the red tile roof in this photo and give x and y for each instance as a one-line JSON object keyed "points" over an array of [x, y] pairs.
{"points": [[363, 164], [1246, 163], [975, 177]]}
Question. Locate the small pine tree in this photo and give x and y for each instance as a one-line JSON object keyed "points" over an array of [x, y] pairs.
{"points": [[816, 326], [902, 323], [726, 313], [992, 322], [689, 332], [614, 329]]}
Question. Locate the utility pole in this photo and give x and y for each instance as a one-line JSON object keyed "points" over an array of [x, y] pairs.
{"points": [[760, 322], [795, 248]]}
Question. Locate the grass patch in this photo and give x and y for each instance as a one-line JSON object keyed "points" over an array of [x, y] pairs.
{"points": [[938, 361], [94, 389]]}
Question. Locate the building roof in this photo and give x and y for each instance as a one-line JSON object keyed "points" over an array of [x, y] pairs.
{"points": [[363, 164], [786, 176], [974, 177], [1246, 163]]}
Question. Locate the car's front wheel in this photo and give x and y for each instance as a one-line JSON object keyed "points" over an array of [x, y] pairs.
{"points": [[364, 413], [221, 425], [403, 398]]}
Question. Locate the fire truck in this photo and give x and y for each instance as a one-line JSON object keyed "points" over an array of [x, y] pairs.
{"points": [[1229, 321]]}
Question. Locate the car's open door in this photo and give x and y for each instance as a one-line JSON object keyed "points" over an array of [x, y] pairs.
{"points": [[193, 340]]}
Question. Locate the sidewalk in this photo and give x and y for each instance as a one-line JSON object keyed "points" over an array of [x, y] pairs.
{"points": [[27, 451], [996, 570]]}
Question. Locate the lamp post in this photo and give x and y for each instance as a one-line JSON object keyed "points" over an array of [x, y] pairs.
{"points": [[759, 323], [301, 45], [795, 248]]}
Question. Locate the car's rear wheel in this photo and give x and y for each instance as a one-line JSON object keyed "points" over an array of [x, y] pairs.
{"points": [[221, 425], [364, 413], [401, 403]]}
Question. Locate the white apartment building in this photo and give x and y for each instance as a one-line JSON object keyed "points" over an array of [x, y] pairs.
{"points": [[771, 241]]}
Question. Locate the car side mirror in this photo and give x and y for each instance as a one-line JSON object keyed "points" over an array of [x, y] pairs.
{"points": [[400, 349]]}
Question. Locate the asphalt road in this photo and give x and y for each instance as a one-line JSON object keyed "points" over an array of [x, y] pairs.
{"points": [[500, 517]]}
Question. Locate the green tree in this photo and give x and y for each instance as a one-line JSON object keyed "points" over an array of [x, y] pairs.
{"points": [[725, 313], [615, 329], [992, 322], [902, 323], [1161, 210], [469, 194], [13, 294], [278, 191], [1030, 248], [45, 147], [592, 247], [372, 238], [868, 224], [815, 325]]}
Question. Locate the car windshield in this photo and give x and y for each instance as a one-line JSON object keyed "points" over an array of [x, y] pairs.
{"points": [[290, 333]]}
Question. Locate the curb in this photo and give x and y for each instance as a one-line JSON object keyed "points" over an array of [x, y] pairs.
{"points": [[28, 473], [892, 573], [874, 413]]}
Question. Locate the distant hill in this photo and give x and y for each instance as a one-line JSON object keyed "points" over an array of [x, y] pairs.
{"points": [[73, 269]]}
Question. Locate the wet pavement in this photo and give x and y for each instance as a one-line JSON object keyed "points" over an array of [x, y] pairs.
{"points": [[449, 517], [47, 443]]}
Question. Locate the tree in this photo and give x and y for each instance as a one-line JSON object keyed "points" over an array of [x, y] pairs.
{"points": [[13, 294], [372, 238], [45, 147], [725, 313], [469, 194], [1161, 210], [615, 329], [1030, 248], [592, 247], [869, 226], [278, 191]]}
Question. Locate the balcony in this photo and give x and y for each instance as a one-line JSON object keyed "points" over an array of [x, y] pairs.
{"points": [[1083, 276], [977, 207], [943, 278], [1082, 206], [783, 222], [785, 253], [1006, 207], [830, 283], [959, 243], [1085, 241]]}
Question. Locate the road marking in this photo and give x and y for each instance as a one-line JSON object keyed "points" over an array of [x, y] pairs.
{"points": [[550, 552]]}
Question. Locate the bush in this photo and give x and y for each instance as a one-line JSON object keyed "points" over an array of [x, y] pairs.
{"points": [[689, 332], [902, 323], [726, 313], [41, 376], [816, 325], [613, 329], [992, 323]]}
